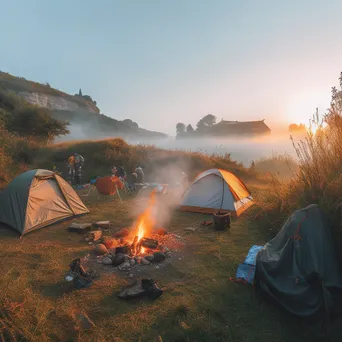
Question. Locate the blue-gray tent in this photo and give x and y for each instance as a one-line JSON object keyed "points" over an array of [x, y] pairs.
{"points": [[298, 268]]}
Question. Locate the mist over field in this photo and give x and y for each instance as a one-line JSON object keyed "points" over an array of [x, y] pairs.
{"points": [[243, 150]]}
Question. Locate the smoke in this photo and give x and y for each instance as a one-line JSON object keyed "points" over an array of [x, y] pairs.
{"points": [[84, 131], [169, 187]]}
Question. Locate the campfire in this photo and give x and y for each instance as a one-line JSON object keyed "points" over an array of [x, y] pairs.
{"points": [[141, 244], [144, 225]]}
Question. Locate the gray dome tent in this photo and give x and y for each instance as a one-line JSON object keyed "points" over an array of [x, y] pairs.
{"points": [[298, 268], [36, 199]]}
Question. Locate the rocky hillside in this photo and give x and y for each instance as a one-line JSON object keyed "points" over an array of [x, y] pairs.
{"points": [[79, 110]]}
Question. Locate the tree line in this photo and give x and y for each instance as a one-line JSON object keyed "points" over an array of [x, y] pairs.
{"points": [[183, 130]]}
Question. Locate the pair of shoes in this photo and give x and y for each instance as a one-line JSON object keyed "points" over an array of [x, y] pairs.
{"points": [[147, 287], [153, 290]]}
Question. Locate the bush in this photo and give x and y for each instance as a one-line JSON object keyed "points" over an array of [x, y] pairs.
{"points": [[19, 117], [36, 122]]}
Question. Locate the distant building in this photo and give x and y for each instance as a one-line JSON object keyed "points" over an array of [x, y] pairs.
{"points": [[225, 128]]}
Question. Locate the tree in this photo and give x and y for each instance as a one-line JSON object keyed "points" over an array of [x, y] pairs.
{"points": [[80, 92], [37, 122], [294, 128], [180, 129], [129, 123], [206, 122], [189, 129]]}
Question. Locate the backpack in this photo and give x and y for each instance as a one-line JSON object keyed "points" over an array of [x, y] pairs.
{"points": [[79, 159]]}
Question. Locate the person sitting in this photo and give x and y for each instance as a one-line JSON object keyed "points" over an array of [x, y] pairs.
{"points": [[140, 174], [131, 181], [118, 182], [121, 173], [113, 171]]}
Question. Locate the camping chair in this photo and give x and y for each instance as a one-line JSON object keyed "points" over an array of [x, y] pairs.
{"points": [[92, 187], [106, 187], [129, 188]]}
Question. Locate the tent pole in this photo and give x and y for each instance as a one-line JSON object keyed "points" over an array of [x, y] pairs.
{"points": [[222, 194]]}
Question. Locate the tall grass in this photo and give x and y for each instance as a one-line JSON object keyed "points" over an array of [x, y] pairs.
{"points": [[318, 180], [280, 166]]}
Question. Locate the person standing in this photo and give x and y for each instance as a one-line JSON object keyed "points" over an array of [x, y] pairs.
{"points": [[79, 161], [71, 168], [121, 173]]}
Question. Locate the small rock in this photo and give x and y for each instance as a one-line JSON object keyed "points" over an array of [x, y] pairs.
{"points": [[130, 275], [132, 262], [95, 235], [99, 261], [121, 233], [159, 256], [149, 257], [90, 243], [127, 257], [107, 261], [87, 239], [118, 259], [191, 229], [161, 231], [144, 261], [111, 251], [125, 266], [109, 243], [157, 267], [137, 259], [100, 249]]}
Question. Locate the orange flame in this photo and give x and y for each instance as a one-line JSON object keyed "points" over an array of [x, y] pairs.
{"points": [[146, 220]]}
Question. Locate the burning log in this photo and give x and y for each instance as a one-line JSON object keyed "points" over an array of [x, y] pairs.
{"points": [[123, 249], [136, 246], [148, 243]]}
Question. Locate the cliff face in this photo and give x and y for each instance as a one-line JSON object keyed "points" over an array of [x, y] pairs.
{"points": [[59, 103], [80, 111], [44, 95]]}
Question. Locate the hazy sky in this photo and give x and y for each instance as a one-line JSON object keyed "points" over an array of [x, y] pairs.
{"points": [[159, 62]]}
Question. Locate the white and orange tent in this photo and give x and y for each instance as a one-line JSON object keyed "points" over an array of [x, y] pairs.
{"points": [[216, 190]]}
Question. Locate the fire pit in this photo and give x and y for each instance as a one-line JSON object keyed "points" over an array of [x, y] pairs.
{"points": [[142, 244]]}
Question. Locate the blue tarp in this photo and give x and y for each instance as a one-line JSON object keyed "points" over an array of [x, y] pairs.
{"points": [[246, 271]]}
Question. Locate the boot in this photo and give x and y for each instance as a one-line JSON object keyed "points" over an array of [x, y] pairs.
{"points": [[151, 287]]}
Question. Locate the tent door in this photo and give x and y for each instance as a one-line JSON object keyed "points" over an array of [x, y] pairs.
{"points": [[46, 204]]}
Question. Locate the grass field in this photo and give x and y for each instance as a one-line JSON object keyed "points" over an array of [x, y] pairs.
{"points": [[200, 303]]}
